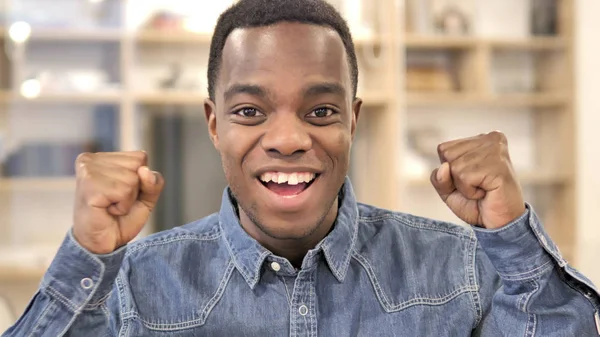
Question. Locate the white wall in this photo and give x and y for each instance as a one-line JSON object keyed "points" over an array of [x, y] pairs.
{"points": [[588, 108]]}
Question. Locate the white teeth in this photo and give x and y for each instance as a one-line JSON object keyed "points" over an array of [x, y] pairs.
{"points": [[293, 179], [289, 178], [283, 178]]}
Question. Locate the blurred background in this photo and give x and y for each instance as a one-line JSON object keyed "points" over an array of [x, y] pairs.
{"points": [[111, 75]]}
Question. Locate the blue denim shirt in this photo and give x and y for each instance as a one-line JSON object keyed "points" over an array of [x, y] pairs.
{"points": [[378, 273]]}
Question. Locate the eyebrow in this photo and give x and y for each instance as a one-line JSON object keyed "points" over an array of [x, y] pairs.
{"points": [[324, 88], [250, 89], [312, 90]]}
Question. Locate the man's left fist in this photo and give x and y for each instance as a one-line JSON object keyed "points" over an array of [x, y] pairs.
{"points": [[477, 181]]}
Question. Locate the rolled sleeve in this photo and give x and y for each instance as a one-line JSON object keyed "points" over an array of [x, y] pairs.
{"points": [[78, 278], [521, 249]]}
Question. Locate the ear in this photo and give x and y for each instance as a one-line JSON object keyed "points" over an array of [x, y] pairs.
{"points": [[210, 111], [356, 106]]}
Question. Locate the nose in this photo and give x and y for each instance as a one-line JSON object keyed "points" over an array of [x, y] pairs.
{"points": [[286, 135]]}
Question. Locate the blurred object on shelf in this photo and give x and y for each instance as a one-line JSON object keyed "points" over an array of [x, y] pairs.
{"points": [[452, 17], [423, 142], [174, 77], [65, 13], [167, 125], [452, 22], [106, 136], [43, 159], [429, 72], [71, 81], [54, 158], [165, 20], [544, 17], [514, 73], [428, 78], [177, 17]]}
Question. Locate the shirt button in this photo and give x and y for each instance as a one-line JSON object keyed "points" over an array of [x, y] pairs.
{"points": [[303, 310], [275, 266], [87, 283]]}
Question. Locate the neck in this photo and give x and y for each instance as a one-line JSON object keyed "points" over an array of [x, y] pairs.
{"points": [[294, 249]]}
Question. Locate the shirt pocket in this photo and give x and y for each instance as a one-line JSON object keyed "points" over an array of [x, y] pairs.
{"points": [[176, 299], [399, 289]]}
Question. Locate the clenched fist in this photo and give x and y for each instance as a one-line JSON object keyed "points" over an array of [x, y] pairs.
{"points": [[477, 182], [115, 195]]}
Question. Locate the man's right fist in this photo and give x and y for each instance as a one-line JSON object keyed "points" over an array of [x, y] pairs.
{"points": [[115, 195]]}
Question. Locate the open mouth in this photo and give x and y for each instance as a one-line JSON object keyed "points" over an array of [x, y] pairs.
{"points": [[287, 184]]}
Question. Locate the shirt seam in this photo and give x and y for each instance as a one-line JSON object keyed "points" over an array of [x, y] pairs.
{"points": [[42, 316], [428, 226], [532, 274], [341, 274], [62, 299], [531, 317], [100, 302], [201, 320], [166, 240], [471, 272], [388, 307]]}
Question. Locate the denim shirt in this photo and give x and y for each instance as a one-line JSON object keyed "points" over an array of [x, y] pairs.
{"points": [[378, 273]]}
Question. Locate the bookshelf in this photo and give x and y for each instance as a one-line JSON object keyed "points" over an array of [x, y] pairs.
{"points": [[390, 110], [539, 95]]}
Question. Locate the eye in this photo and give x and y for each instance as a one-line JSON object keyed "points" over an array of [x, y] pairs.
{"points": [[321, 113], [248, 112]]}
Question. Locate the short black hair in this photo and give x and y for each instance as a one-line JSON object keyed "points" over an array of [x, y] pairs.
{"points": [[260, 13]]}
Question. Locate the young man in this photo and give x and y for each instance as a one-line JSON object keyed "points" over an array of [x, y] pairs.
{"points": [[291, 252]]}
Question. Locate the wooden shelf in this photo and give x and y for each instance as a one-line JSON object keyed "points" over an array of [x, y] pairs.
{"points": [[439, 42], [50, 184], [185, 37], [174, 97], [371, 99], [78, 98], [174, 36], [503, 100], [58, 34], [98, 35], [21, 274], [534, 43], [526, 179], [466, 42]]}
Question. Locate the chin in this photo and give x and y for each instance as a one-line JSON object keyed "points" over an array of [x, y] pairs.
{"points": [[287, 233]]}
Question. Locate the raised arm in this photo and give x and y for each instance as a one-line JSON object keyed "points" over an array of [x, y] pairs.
{"points": [[527, 288], [115, 195]]}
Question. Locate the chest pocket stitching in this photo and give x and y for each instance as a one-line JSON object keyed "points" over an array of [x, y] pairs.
{"points": [[203, 315], [388, 307]]}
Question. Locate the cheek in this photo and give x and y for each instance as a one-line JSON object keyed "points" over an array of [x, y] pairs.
{"points": [[337, 146], [235, 148]]}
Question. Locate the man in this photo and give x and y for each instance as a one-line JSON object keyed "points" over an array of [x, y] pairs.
{"points": [[291, 252]]}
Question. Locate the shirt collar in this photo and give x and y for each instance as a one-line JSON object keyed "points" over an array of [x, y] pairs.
{"points": [[248, 255]]}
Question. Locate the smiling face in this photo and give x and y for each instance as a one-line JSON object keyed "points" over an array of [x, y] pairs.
{"points": [[283, 121]]}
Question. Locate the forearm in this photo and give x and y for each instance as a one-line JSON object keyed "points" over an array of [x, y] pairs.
{"points": [[540, 295], [75, 296]]}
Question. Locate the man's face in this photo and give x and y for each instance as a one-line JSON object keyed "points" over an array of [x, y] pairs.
{"points": [[283, 121]]}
